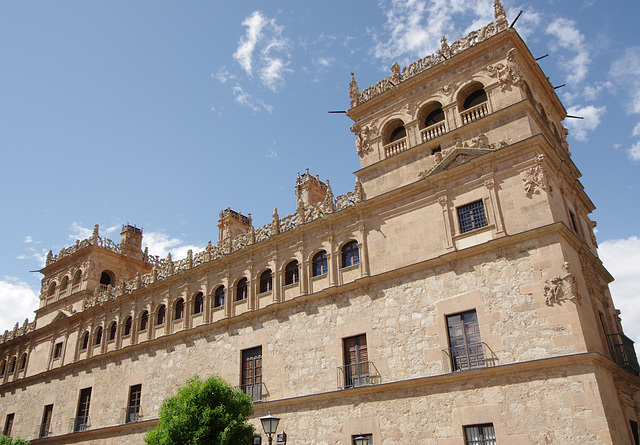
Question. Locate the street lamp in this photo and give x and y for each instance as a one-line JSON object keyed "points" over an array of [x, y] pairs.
{"points": [[361, 440], [270, 425]]}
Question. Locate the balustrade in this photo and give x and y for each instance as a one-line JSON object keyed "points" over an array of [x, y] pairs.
{"points": [[474, 113], [433, 131], [395, 147]]}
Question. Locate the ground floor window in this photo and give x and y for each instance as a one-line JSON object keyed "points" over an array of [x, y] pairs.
{"points": [[480, 434]]}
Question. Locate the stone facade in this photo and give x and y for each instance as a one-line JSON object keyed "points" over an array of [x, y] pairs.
{"points": [[467, 205]]}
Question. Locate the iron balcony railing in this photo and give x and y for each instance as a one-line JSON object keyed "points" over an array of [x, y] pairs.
{"points": [[80, 423], [257, 391], [43, 430], [469, 356], [358, 374], [131, 414], [623, 352]]}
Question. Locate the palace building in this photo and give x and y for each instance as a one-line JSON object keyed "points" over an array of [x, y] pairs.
{"points": [[454, 297]]}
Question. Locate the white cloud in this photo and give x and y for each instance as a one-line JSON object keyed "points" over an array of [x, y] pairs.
{"points": [[579, 128], [223, 75], [79, 232], [621, 257], [324, 62], [626, 71], [246, 100], [263, 47], [634, 151], [18, 301], [272, 154], [161, 244], [636, 130], [569, 39], [28, 239]]}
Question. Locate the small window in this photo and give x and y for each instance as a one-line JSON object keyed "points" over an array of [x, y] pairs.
{"points": [[84, 343], [98, 337], [574, 222], [3, 368], [162, 311], [113, 329], [218, 297], [350, 254], [64, 284], [133, 407], [57, 350], [23, 362], [362, 439], [480, 434], [266, 284], [242, 290], [472, 216], [127, 326], [12, 365], [8, 425], [198, 303], [52, 289], [144, 321], [319, 264], [179, 312], [106, 278], [45, 426], [291, 275], [475, 98], [76, 277]]}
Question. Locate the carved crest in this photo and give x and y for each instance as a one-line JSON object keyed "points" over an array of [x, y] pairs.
{"points": [[535, 178], [560, 288]]}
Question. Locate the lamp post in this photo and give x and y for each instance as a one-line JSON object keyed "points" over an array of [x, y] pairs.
{"points": [[361, 440], [270, 425]]}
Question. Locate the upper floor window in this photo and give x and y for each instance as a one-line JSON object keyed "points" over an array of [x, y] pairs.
{"points": [[179, 309], [12, 365], [356, 361], [107, 278], [23, 362], [76, 277], [64, 284], [475, 98], [98, 336], [218, 297], [144, 320], [251, 379], [52, 289], [241, 290], [466, 349], [291, 273], [480, 434], [8, 425], [162, 310], [127, 326], [113, 328], [81, 421], [198, 303], [319, 264], [84, 342], [57, 350], [350, 254], [472, 216], [132, 411], [3, 367], [265, 281]]}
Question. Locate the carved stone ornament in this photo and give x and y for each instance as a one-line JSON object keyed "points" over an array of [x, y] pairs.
{"points": [[560, 288], [508, 73], [354, 92], [535, 178], [363, 140]]}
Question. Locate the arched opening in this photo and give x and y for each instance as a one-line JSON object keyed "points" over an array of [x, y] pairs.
{"points": [[198, 303], [162, 311], [127, 326], [52, 289], [23, 362], [107, 277], [350, 254], [12, 365], [98, 336], [242, 290], [113, 329], [472, 103], [319, 264], [179, 310], [144, 320], [394, 131], [291, 274], [266, 284], [474, 99], [3, 368], [84, 341], [64, 284], [218, 297], [77, 276]]}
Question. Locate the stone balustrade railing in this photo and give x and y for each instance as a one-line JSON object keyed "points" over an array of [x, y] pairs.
{"points": [[395, 147], [474, 113], [433, 131]]}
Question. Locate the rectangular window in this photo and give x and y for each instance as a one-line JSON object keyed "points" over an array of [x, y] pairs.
{"points": [[8, 425], [364, 439], [480, 434], [133, 407], [574, 222], [634, 431], [252, 373], [356, 361], [81, 421], [45, 426], [57, 350], [465, 345], [472, 216]]}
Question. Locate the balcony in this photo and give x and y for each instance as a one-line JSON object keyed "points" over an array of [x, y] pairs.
{"points": [[43, 430], [395, 147], [131, 414], [623, 352], [358, 374], [257, 391], [469, 356], [433, 131], [474, 113], [79, 424]]}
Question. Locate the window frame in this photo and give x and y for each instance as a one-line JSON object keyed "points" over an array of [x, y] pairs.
{"points": [[161, 315], [84, 341], [57, 350], [251, 372], [144, 321], [45, 424], [128, 324], [97, 336], [350, 254], [472, 216], [178, 309], [242, 289], [113, 331], [320, 264], [466, 348], [198, 304], [292, 273], [132, 411], [266, 281], [219, 296], [8, 424], [481, 440]]}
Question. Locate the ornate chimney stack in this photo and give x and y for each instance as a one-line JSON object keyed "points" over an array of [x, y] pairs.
{"points": [[131, 242]]}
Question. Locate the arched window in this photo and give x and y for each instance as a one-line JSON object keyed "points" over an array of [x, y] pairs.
{"points": [[23, 362], [84, 342], [398, 133], [291, 275], [52, 289], [12, 365], [3, 368], [434, 117], [127, 326], [179, 312], [107, 278], [218, 297], [98, 336], [241, 290], [64, 284], [198, 303], [144, 320], [350, 254], [113, 329], [319, 264], [162, 310], [474, 98], [266, 284], [76, 277]]}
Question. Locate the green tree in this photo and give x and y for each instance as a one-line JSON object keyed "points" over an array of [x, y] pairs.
{"points": [[207, 412], [4, 440]]}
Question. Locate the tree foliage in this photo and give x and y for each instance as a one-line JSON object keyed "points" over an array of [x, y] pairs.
{"points": [[4, 440], [204, 412]]}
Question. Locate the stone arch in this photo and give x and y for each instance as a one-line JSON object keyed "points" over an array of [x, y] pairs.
{"points": [[393, 131], [430, 114], [471, 95], [107, 277]]}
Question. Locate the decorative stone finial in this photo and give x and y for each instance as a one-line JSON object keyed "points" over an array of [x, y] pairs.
{"points": [[501, 17], [354, 92]]}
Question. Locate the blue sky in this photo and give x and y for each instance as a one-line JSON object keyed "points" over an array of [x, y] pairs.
{"points": [[163, 113]]}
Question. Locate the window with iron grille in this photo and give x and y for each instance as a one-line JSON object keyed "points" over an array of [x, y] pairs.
{"points": [[133, 407], [480, 434], [45, 425], [350, 254], [319, 264], [291, 275], [472, 216], [356, 361], [8, 425], [466, 349], [252, 373], [367, 437], [81, 420]]}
